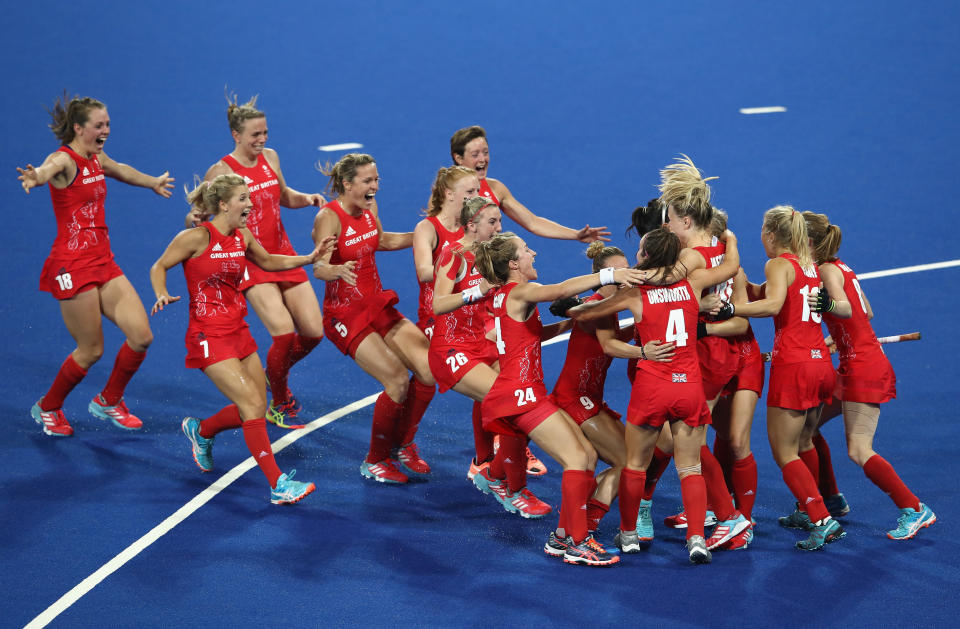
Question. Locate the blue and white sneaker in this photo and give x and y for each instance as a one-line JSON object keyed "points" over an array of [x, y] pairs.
{"points": [[727, 530], [201, 446], [645, 521], [829, 531], [910, 522], [836, 505], [289, 491]]}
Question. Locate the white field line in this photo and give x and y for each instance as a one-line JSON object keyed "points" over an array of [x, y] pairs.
{"points": [[762, 110], [346, 146], [181, 514]]}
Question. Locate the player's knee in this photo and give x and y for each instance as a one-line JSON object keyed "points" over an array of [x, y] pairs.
{"points": [[141, 340], [859, 454], [396, 386], [88, 353], [740, 446]]}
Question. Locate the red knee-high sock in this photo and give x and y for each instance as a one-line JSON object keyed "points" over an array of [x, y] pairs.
{"points": [[418, 399], [745, 484], [302, 345], [882, 474], [69, 376], [717, 492], [595, 512], [514, 461], [278, 366], [798, 478], [497, 470], [693, 492], [126, 364], [655, 470], [482, 440], [258, 442], [724, 455], [386, 414], [827, 482], [811, 459], [226, 418], [630, 492], [574, 490]]}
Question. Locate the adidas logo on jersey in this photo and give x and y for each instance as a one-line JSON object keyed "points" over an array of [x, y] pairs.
{"points": [[85, 171], [217, 247], [247, 180], [350, 231]]}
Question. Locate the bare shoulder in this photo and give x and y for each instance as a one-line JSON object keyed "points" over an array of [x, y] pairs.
{"points": [[219, 168], [272, 158]]}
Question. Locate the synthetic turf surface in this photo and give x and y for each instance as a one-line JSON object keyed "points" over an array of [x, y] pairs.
{"points": [[582, 107]]}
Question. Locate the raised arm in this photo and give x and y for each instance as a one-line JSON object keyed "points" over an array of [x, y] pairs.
{"points": [[276, 262], [444, 299], [623, 299], [536, 293], [57, 164], [539, 225], [293, 199], [162, 184]]}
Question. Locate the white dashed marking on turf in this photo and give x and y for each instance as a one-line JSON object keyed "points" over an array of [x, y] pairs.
{"points": [[762, 110], [346, 146], [181, 514]]}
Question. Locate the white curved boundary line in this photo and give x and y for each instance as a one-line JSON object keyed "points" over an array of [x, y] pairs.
{"points": [[181, 514]]}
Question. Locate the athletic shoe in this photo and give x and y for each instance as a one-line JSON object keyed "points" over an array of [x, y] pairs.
{"points": [[697, 550], [739, 541], [199, 445], [910, 522], [498, 488], [54, 423], [727, 529], [556, 546], [589, 552], [119, 414], [836, 505], [535, 466], [679, 521], [475, 469], [528, 505], [280, 414], [644, 529], [383, 472], [796, 520], [627, 542], [409, 457], [289, 491], [829, 531]]}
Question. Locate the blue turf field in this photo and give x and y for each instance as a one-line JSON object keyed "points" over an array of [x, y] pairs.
{"points": [[582, 107]]}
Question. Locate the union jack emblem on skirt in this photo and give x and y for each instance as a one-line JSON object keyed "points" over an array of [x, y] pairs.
{"points": [[679, 377], [815, 353]]}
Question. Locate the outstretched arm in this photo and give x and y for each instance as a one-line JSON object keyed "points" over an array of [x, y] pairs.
{"points": [[543, 226], [276, 262], [184, 245], [162, 184], [55, 164]]}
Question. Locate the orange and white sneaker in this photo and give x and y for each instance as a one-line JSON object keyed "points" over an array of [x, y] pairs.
{"points": [[54, 423], [475, 468], [535, 466], [118, 414]]}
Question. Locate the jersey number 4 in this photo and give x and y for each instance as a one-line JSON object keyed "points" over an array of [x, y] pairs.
{"points": [[676, 328]]}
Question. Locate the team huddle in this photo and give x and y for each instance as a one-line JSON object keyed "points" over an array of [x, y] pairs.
{"points": [[693, 358]]}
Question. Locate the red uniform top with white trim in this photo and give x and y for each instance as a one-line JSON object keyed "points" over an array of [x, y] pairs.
{"points": [[358, 241], [444, 238], [585, 368], [520, 383], [264, 219], [855, 338], [213, 279], [487, 191], [798, 337], [80, 213], [465, 326], [670, 314]]}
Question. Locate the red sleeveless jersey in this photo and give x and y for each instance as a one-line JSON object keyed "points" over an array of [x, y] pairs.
{"points": [[213, 279], [464, 326], [798, 337], [855, 338], [519, 386], [487, 191], [80, 213], [358, 241], [444, 238], [670, 314], [264, 219], [585, 368]]}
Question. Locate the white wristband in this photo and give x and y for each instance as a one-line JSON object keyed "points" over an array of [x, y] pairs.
{"points": [[606, 277], [471, 294]]}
